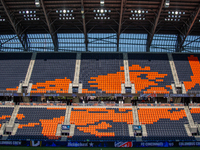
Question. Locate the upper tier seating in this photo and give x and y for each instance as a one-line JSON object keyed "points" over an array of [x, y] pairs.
{"points": [[164, 124], [5, 114], [13, 69], [151, 73], [188, 70], [53, 72], [95, 124], [101, 72], [38, 123], [195, 112]]}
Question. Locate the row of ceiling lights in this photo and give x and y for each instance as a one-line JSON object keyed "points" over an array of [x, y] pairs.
{"points": [[65, 14], [29, 15], [139, 11]]}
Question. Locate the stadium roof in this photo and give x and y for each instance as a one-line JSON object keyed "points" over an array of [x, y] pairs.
{"points": [[53, 17]]}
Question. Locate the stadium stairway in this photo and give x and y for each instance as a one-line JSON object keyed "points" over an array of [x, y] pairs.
{"points": [[67, 115], [187, 128], [173, 69], [13, 117], [127, 76], [135, 115], [30, 69], [76, 75], [192, 126], [175, 76], [3, 126], [77, 69], [15, 128], [144, 130], [198, 136]]}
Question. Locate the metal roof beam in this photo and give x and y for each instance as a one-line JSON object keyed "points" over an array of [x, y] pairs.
{"points": [[84, 25], [17, 28], [188, 27], [120, 23], [50, 27], [153, 29]]}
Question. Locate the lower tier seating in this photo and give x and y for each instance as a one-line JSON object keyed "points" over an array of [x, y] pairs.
{"points": [[164, 123], [195, 112], [38, 123], [5, 114], [96, 124]]}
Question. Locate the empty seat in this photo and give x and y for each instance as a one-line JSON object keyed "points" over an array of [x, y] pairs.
{"points": [[151, 73], [97, 124], [41, 123], [13, 68], [164, 123], [187, 67], [53, 72], [5, 114], [101, 72]]}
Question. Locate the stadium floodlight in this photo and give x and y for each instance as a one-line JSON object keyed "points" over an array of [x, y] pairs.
{"points": [[139, 11], [82, 10], [102, 2], [37, 3], [167, 3], [64, 11], [27, 11], [176, 12], [101, 10]]}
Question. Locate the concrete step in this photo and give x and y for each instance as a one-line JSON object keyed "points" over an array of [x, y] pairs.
{"points": [[4, 137], [15, 128], [29, 87], [68, 115], [63, 138], [122, 88], [77, 69], [144, 130], [173, 69], [130, 129], [58, 131], [135, 115], [189, 116], [132, 88], [14, 114], [183, 88], [138, 138], [173, 88], [187, 129], [20, 88], [3, 126], [30, 69], [197, 138], [72, 128]]}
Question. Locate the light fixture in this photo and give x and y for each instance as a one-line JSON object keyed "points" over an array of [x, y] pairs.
{"points": [[101, 10], [37, 3], [27, 11], [167, 3], [139, 11], [82, 10], [64, 11], [173, 15], [102, 2]]}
